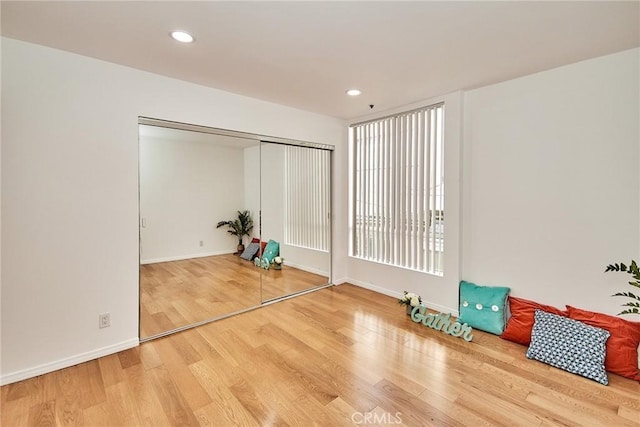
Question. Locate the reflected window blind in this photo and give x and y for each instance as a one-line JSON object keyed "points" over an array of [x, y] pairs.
{"points": [[397, 197], [307, 197]]}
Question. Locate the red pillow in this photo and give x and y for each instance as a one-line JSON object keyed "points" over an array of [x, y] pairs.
{"points": [[521, 321], [622, 345], [262, 245]]}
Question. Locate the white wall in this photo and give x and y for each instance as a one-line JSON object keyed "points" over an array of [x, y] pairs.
{"points": [[437, 292], [272, 191], [186, 187], [311, 260], [70, 194], [252, 185], [551, 182]]}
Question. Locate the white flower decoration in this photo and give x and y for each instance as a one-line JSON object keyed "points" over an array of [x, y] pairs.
{"points": [[410, 299]]}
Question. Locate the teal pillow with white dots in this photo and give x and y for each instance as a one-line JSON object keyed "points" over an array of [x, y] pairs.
{"points": [[483, 307], [271, 251]]}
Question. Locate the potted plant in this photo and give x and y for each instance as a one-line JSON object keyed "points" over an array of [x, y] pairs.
{"points": [[633, 270], [239, 227]]}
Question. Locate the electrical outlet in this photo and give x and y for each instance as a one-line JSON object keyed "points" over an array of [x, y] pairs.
{"points": [[201, 243], [104, 320]]}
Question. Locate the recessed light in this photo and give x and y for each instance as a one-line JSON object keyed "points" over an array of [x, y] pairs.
{"points": [[353, 92], [182, 37]]}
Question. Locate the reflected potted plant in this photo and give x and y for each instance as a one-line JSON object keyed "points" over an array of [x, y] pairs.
{"points": [[239, 227]]}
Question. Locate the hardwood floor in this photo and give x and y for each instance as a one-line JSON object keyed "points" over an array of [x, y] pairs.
{"points": [[179, 293], [337, 357]]}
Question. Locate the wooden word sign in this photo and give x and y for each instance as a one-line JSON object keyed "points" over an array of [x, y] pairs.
{"points": [[441, 322]]}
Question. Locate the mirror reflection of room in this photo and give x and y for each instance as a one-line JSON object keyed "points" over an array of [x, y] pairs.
{"points": [[226, 224], [189, 181], [295, 205]]}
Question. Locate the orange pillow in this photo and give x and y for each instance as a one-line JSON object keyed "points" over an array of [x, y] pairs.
{"points": [[262, 245], [622, 345], [520, 323]]}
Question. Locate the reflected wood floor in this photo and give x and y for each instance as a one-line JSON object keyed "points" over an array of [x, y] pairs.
{"points": [[179, 293], [340, 356]]}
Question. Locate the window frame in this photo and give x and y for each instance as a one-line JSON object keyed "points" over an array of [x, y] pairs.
{"points": [[388, 165]]}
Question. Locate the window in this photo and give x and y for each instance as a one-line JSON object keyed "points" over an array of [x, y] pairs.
{"points": [[397, 195], [307, 197]]}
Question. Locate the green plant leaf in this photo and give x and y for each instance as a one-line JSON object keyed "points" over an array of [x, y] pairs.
{"points": [[634, 271], [626, 294]]}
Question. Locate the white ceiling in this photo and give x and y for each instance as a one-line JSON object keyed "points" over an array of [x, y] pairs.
{"points": [[306, 54]]}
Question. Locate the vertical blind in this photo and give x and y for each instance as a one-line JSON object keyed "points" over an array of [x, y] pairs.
{"points": [[307, 197], [397, 211]]}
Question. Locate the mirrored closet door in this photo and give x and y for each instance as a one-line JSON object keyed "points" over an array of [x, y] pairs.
{"points": [[295, 205], [192, 179]]}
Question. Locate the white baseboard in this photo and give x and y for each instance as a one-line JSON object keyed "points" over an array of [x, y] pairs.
{"points": [[308, 269], [398, 295], [65, 363], [182, 257]]}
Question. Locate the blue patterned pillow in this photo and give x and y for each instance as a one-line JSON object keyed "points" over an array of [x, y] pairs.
{"points": [[250, 251], [570, 345]]}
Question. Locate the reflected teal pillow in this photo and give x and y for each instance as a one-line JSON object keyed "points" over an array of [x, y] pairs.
{"points": [[271, 251], [483, 307]]}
